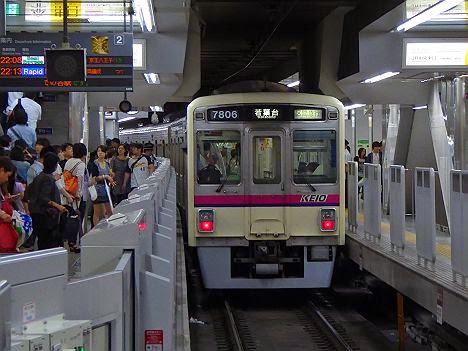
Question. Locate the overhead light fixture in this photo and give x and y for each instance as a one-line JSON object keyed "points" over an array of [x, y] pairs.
{"points": [[126, 119], [156, 109], [152, 78], [132, 112], [294, 84], [145, 14], [380, 77], [351, 107], [427, 14], [420, 107]]}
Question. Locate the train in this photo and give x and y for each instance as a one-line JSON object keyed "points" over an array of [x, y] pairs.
{"points": [[261, 179]]}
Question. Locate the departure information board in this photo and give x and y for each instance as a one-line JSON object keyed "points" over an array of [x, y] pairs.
{"points": [[109, 62]]}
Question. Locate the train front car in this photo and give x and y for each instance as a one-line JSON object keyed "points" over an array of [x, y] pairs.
{"points": [[265, 180]]}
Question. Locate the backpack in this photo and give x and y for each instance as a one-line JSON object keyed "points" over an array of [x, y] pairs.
{"points": [[71, 181], [70, 224]]}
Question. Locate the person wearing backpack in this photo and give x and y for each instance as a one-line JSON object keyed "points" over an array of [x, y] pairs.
{"points": [[139, 167]]}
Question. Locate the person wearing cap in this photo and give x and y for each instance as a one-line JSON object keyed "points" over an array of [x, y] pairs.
{"points": [[148, 151], [139, 167]]}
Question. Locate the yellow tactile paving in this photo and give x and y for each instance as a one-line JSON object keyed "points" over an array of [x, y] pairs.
{"points": [[442, 249]]}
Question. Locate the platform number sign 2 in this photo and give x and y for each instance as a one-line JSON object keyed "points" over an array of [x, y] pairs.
{"points": [[119, 39], [154, 340]]}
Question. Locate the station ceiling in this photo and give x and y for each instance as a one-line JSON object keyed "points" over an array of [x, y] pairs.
{"points": [[233, 31]]}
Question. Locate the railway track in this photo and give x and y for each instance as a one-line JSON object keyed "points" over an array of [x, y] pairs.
{"points": [[285, 327]]}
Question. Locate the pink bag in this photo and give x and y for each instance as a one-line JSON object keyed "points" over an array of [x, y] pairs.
{"points": [[8, 234]]}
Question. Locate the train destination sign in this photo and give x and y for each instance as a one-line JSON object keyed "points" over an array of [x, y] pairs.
{"points": [[265, 113], [109, 62]]}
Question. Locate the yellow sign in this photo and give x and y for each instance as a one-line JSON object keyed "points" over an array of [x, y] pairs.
{"points": [[100, 45]]}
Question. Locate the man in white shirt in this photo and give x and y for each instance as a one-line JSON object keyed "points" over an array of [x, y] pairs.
{"points": [[139, 167], [32, 108]]}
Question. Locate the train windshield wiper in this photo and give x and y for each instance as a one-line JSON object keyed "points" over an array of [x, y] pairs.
{"points": [[221, 186], [311, 187]]}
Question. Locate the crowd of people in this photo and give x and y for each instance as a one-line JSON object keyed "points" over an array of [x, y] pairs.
{"points": [[49, 193]]}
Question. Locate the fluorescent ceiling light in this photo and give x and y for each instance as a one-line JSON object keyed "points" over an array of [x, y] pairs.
{"points": [[152, 78], [294, 84], [350, 107], [145, 14], [380, 77], [126, 119], [133, 112], [431, 79], [427, 14], [420, 107]]}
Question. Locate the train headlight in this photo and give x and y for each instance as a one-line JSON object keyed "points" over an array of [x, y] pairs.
{"points": [[206, 221], [327, 219]]}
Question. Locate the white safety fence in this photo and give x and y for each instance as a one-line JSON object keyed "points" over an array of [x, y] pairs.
{"points": [[459, 224], [353, 209], [424, 194], [372, 201], [125, 297], [397, 208], [424, 208]]}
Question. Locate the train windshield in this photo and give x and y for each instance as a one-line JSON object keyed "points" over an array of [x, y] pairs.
{"points": [[314, 156], [267, 160], [218, 157]]}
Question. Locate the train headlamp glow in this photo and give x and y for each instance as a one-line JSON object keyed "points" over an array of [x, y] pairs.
{"points": [[327, 219], [206, 221]]}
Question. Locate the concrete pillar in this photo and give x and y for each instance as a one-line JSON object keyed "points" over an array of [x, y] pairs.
{"points": [[76, 116], [309, 62], [460, 123], [96, 127], [2, 17]]}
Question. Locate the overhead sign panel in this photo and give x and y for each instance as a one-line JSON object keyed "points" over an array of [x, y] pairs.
{"points": [[78, 11], [435, 53], [109, 62]]}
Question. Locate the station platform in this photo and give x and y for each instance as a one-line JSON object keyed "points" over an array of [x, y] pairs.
{"points": [[125, 291], [432, 287]]}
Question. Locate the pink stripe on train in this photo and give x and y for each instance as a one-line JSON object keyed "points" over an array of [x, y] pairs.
{"points": [[267, 200]]}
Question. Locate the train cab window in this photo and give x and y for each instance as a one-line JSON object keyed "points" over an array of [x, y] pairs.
{"points": [[267, 160], [314, 156], [218, 157]]}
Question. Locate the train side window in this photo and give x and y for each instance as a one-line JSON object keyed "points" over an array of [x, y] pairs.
{"points": [[314, 156], [219, 157], [267, 160]]}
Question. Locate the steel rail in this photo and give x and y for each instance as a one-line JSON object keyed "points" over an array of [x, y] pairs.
{"points": [[233, 327]]}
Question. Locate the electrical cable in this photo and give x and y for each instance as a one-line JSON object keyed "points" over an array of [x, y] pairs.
{"points": [[265, 42]]}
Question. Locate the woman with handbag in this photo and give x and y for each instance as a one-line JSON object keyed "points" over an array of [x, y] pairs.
{"points": [[44, 205], [101, 173], [8, 235]]}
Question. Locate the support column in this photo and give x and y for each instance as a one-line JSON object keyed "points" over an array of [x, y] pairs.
{"points": [[460, 124], [309, 62], [77, 117], [401, 321], [2, 17], [96, 127]]}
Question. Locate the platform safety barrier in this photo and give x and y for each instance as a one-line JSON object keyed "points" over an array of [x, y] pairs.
{"points": [[424, 193], [124, 299], [459, 224], [397, 208], [372, 201], [352, 179]]}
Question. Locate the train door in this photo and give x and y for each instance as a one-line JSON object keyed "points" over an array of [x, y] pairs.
{"points": [[267, 175]]}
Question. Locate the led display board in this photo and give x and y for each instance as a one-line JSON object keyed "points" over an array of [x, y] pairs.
{"points": [[109, 62], [265, 113]]}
